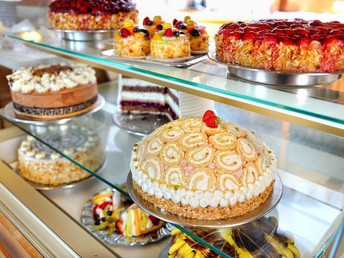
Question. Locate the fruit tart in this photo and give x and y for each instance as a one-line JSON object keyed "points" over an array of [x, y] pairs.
{"points": [[116, 213], [169, 44], [197, 34], [294, 45], [131, 41], [135, 222], [91, 15]]}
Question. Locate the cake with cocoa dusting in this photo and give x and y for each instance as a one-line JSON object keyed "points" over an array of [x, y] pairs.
{"points": [[49, 92]]}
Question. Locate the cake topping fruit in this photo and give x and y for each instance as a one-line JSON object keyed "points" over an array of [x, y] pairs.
{"points": [[210, 119]]}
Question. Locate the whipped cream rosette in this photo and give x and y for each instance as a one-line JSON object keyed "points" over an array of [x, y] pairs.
{"points": [[204, 168]]}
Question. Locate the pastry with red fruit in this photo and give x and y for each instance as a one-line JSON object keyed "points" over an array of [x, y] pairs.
{"points": [[197, 34], [131, 41], [116, 213], [169, 44], [91, 14], [293, 45]]}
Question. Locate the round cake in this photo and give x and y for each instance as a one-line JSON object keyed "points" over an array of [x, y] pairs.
{"points": [[169, 44], [131, 41], [53, 91], [91, 15], [203, 168], [197, 34], [293, 45], [40, 164]]}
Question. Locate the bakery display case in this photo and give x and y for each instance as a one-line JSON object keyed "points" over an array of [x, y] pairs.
{"points": [[302, 124]]}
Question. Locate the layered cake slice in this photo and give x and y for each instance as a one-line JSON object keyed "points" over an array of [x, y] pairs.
{"points": [[137, 97]]}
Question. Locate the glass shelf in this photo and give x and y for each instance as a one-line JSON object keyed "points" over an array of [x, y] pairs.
{"points": [[313, 185], [319, 107]]}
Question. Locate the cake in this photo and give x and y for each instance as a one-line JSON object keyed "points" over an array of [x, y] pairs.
{"points": [[294, 45], [197, 34], [203, 168], [53, 91], [91, 15], [169, 44], [40, 164], [260, 238], [131, 41], [115, 213], [137, 97]]}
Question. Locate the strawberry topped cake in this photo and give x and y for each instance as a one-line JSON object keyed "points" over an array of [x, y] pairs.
{"points": [[203, 168], [91, 15], [197, 34], [293, 45], [131, 41]]}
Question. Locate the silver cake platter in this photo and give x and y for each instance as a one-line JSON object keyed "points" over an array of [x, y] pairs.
{"points": [[277, 78], [85, 35], [115, 238], [259, 212], [12, 116], [178, 62], [139, 124]]}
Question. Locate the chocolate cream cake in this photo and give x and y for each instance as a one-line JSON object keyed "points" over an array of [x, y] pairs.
{"points": [[57, 91]]}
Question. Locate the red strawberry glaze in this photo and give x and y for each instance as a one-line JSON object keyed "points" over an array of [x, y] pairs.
{"points": [[290, 45]]}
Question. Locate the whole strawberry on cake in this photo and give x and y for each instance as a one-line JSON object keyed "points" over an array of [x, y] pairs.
{"points": [[91, 14], [197, 34], [131, 41], [169, 44], [203, 168], [294, 45]]}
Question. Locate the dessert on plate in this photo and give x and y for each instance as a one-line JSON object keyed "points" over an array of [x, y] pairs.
{"points": [[203, 168], [40, 164], [131, 41], [197, 34], [169, 44], [116, 213], [91, 15], [294, 45], [54, 91]]}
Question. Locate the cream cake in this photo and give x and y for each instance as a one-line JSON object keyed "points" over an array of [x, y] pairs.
{"points": [[294, 45], [53, 91], [91, 15], [40, 164], [203, 168]]}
